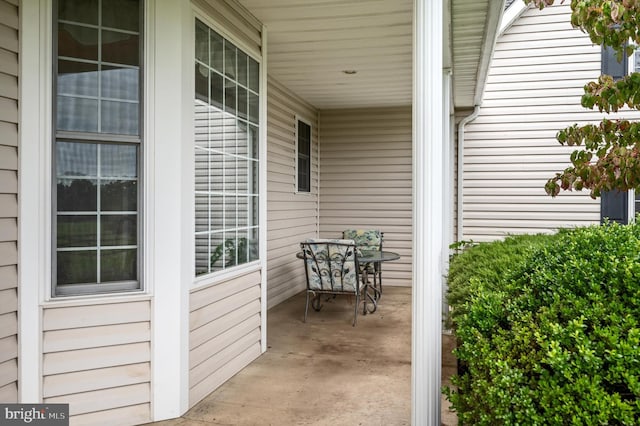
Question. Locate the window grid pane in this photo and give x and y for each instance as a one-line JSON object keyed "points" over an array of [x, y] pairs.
{"points": [[102, 217], [96, 194], [226, 153], [98, 74]]}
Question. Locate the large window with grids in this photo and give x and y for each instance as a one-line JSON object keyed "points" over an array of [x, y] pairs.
{"points": [[97, 146], [227, 116]]}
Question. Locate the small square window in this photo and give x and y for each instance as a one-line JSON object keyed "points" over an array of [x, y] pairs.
{"points": [[610, 65]]}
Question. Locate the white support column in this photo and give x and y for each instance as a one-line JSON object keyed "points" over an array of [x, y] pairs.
{"points": [[169, 202], [428, 182], [34, 263], [263, 192]]}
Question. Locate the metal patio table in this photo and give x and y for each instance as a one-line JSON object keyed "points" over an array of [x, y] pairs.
{"points": [[365, 259]]}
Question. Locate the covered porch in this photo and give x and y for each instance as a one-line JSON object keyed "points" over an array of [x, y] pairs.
{"points": [[386, 100], [223, 89], [326, 372]]}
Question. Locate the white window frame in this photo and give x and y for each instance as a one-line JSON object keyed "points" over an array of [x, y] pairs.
{"points": [[215, 277], [36, 160], [633, 65], [634, 62], [308, 122], [98, 288], [631, 206]]}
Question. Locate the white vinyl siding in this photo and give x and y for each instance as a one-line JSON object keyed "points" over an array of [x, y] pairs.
{"points": [[458, 117], [97, 359], [225, 314], [366, 180], [533, 90], [292, 217], [224, 324], [9, 201]]}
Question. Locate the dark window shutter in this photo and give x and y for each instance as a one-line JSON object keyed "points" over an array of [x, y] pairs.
{"points": [[610, 64], [614, 206]]}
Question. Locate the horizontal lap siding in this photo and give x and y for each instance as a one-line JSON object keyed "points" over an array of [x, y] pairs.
{"points": [[224, 318], [8, 201], [224, 332], [97, 359], [535, 82], [458, 117], [291, 217], [366, 181]]}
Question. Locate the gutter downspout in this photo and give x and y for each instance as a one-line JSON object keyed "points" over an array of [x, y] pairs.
{"points": [[460, 198]]}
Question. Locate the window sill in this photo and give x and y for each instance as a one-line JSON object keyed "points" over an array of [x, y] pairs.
{"points": [[97, 299]]}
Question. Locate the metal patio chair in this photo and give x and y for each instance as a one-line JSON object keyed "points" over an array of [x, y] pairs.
{"points": [[331, 267], [368, 240]]}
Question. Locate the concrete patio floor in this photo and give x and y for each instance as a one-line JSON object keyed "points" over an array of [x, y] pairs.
{"points": [[324, 371]]}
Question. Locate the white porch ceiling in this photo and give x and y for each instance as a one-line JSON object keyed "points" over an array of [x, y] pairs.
{"points": [[311, 43]]}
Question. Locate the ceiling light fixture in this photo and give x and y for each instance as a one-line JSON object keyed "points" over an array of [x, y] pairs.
{"points": [[349, 72]]}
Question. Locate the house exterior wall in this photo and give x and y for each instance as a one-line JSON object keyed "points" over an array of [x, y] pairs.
{"points": [[224, 332], [126, 358], [366, 182], [535, 83], [9, 200], [292, 216], [225, 313], [458, 116], [99, 363]]}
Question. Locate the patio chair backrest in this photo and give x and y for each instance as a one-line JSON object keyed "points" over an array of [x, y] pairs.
{"points": [[365, 239], [331, 265]]}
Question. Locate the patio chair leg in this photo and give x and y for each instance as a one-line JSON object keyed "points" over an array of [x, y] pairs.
{"points": [[375, 285], [316, 302], [364, 299], [306, 308], [355, 313]]}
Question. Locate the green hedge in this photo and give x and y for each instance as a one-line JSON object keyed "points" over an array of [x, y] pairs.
{"points": [[484, 266], [548, 329]]}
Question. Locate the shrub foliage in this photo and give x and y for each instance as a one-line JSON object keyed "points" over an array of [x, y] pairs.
{"points": [[548, 329]]}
